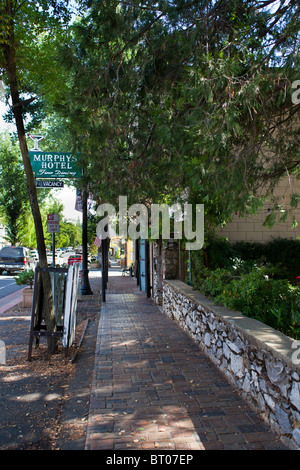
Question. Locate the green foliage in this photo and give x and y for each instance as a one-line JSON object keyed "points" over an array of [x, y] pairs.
{"points": [[34, 27], [26, 277], [160, 97], [174, 95], [214, 282], [274, 302], [69, 233], [253, 278], [219, 253], [13, 189], [240, 257], [284, 253]]}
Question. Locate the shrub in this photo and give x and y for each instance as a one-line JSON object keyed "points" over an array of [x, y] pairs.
{"points": [[286, 253], [26, 277], [254, 278], [283, 254], [219, 253], [274, 302], [214, 283]]}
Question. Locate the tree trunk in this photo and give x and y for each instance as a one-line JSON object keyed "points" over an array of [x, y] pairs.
{"points": [[11, 69]]}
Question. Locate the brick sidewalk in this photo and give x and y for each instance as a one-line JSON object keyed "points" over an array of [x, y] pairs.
{"points": [[153, 388]]}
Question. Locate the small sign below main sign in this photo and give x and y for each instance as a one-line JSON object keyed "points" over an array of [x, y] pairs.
{"points": [[53, 223], [49, 184]]}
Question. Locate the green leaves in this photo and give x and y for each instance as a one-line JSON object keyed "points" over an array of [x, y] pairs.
{"points": [[273, 301], [26, 277], [167, 96], [13, 189]]}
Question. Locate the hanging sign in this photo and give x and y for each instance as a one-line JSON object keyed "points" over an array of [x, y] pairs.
{"points": [[49, 184], [78, 202], [54, 164]]}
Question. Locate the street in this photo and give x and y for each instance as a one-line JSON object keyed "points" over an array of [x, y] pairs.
{"points": [[8, 285]]}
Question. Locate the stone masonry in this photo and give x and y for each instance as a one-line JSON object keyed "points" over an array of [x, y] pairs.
{"points": [[166, 265], [261, 362]]}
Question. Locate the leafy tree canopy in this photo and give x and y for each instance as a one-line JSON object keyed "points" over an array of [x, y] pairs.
{"points": [[172, 95], [13, 190], [173, 98]]}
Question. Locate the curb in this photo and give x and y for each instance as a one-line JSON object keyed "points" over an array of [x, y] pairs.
{"points": [[11, 300]]}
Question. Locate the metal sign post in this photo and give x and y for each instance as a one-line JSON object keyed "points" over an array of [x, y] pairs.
{"points": [[53, 250], [53, 227]]}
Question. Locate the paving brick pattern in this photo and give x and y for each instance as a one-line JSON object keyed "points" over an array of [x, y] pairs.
{"points": [[154, 389]]}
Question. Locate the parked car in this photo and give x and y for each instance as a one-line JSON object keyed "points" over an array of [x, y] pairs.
{"points": [[15, 258], [59, 260], [74, 259], [34, 254]]}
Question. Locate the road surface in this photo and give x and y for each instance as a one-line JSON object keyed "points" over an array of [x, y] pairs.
{"points": [[8, 286]]}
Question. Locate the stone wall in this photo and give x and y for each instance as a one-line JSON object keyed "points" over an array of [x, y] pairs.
{"points": [[260, 361], [157, 273], [165, 266], [170, 259]]}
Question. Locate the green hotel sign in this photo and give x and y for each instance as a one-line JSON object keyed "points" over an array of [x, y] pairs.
{"points": [[54, 164]]}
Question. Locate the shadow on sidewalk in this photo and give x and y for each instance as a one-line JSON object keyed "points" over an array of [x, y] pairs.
{"points": [[154, 388]]}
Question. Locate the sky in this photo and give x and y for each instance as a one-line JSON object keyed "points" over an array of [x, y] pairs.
{"points": [[67, 196]]}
